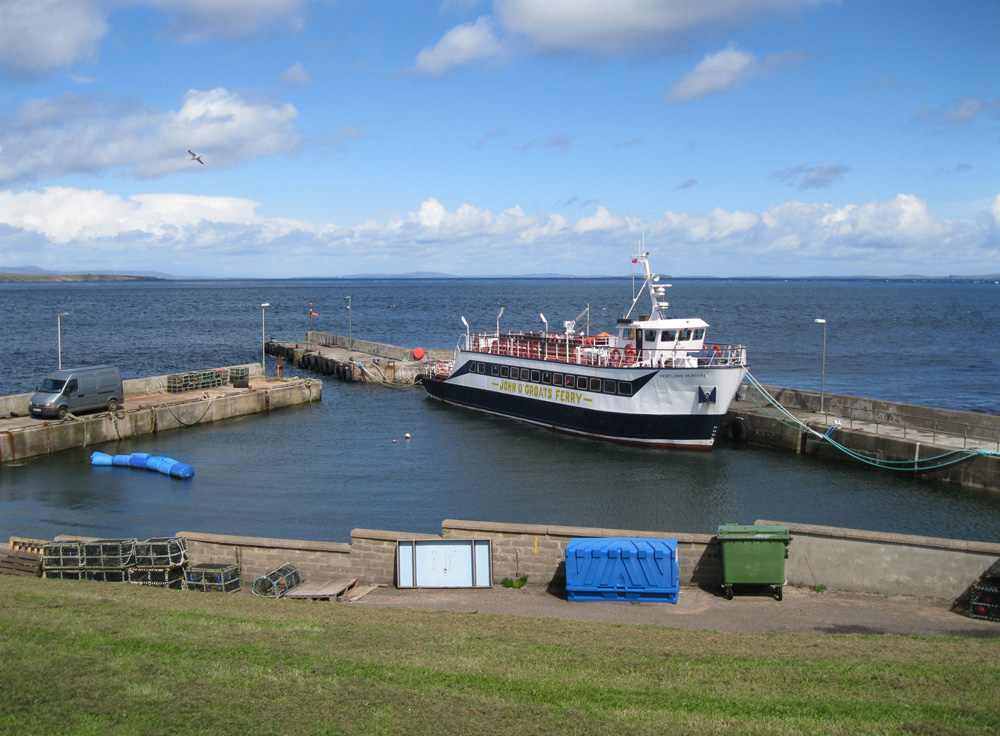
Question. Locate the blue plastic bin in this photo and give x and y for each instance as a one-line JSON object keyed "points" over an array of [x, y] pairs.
{"points": [[622, 569]]}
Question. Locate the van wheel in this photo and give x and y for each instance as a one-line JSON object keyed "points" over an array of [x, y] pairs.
{"points": [[112, 404], [61, 412]]}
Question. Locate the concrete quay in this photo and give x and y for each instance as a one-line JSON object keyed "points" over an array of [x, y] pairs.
{"points": [[147, 409], [351, 359], [941, 444]]}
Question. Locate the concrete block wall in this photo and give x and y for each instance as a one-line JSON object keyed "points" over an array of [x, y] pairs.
{"points": [[889, 412], [841, 559], [258, 556], [392, 352], [539, 551], [877, 562]]}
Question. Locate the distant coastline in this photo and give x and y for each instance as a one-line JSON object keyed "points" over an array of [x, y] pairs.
{"points": [[15, 278]]}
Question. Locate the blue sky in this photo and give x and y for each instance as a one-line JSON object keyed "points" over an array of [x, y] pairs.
{"points": [[738, 137]]}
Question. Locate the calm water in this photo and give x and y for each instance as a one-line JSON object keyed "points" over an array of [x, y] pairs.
{"points": [[316, 472]]}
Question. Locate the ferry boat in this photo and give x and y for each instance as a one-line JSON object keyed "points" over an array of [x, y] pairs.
{"points": [[657, 382]]}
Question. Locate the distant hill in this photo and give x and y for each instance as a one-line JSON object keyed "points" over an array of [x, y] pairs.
{"points": [[25, 274]]}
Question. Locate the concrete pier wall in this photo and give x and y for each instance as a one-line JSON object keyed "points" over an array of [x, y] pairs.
{"points": [[378, 349], [16, 405], [44, 437], [840, 559]]}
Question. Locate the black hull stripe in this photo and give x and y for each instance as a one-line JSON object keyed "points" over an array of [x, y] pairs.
{"points": [[637, 428]]}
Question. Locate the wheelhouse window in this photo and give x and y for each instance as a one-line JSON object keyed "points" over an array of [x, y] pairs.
{"points": [[699, 334], [685, 334], [668, 336]]}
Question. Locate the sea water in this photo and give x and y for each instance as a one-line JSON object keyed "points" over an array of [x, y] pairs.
{"points": [[318, 471]]}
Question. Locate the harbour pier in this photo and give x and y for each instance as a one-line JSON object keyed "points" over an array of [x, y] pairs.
{"points": [[351, 359], [152, 405]]}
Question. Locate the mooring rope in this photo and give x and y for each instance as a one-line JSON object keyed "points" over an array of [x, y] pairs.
{"points": [[383, 380], [916, 464]]}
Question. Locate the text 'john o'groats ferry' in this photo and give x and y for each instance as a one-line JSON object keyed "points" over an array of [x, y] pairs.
{"points": [[657, 383]]}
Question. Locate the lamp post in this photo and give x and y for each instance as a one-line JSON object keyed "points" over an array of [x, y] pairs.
{"points": [[350, 331], [822, 384], [263, 307], [59, 334]]}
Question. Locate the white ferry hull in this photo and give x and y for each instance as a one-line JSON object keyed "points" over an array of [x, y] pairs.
{"points": [[665, 407]]}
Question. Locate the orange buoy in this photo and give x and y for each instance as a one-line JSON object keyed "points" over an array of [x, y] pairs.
{"points": [[418, 353]]}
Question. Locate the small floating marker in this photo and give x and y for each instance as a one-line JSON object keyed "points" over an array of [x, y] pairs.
{"points": [[407, 435], [394, 442], [418, 353]]}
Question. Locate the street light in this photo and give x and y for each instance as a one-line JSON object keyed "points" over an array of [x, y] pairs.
{"points": [[59, 334], [350, 331], [263, 306], [822, 384]]}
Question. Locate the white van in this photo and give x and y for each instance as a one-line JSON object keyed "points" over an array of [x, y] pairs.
{"points": [[78, 389]]}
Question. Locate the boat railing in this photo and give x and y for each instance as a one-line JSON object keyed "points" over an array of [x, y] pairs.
{"points": [[598, 350]]}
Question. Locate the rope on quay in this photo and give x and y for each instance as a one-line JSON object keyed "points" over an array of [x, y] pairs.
{"points": [[921, 464], [381, 378]]}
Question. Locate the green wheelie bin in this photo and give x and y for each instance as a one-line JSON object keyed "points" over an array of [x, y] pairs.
{"points": [[753, 554]]}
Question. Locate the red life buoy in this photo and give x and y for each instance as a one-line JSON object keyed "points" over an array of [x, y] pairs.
{"points": [[629, 354], [616, 357]]}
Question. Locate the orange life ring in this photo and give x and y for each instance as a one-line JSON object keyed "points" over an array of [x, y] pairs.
{"points": [[629, 354], [475, 343], [616, 357]]}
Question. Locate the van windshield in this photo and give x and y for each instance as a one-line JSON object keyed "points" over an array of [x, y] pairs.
{"points": [[51, 386]]}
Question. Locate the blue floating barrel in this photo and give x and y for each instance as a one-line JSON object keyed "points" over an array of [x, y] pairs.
{"points": [[100, 458], [165, 465], [138, 459]]}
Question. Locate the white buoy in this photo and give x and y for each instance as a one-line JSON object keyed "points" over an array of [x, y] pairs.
{"points": [[407, 435]]}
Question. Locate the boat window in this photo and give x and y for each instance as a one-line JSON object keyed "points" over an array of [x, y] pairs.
{"points": [[685, 334], [699, 333], [525, 372], [581, 383], [668, 336], [504, 371], [482, 368], [557, 379], [595, 384], [494, 370], [609, 386], [651, 335], [546, 377], [536, 376], [570, 381], [624, 388]]}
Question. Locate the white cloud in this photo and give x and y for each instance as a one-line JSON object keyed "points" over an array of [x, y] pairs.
{"points": [[813, 177], [194, 21], [93, 134], [600, 28], [295, 75], [73, 229], [40, 36], [724, 71], [459, 46]]}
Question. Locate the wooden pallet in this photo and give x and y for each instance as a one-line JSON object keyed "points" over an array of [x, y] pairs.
{"points": [[23, 544], [16, 562], [322, 590]]}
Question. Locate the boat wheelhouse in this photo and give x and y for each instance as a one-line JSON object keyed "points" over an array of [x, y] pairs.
{"points": [[657, 382]]}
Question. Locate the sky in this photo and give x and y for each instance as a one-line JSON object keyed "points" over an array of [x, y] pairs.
{"points": [[728, 138]]}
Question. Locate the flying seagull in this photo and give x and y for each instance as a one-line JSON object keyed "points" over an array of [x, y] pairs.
{"points": [[195, 156]]}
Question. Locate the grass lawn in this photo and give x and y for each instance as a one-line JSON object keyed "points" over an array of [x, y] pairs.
{"points": [[104, 658]]}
